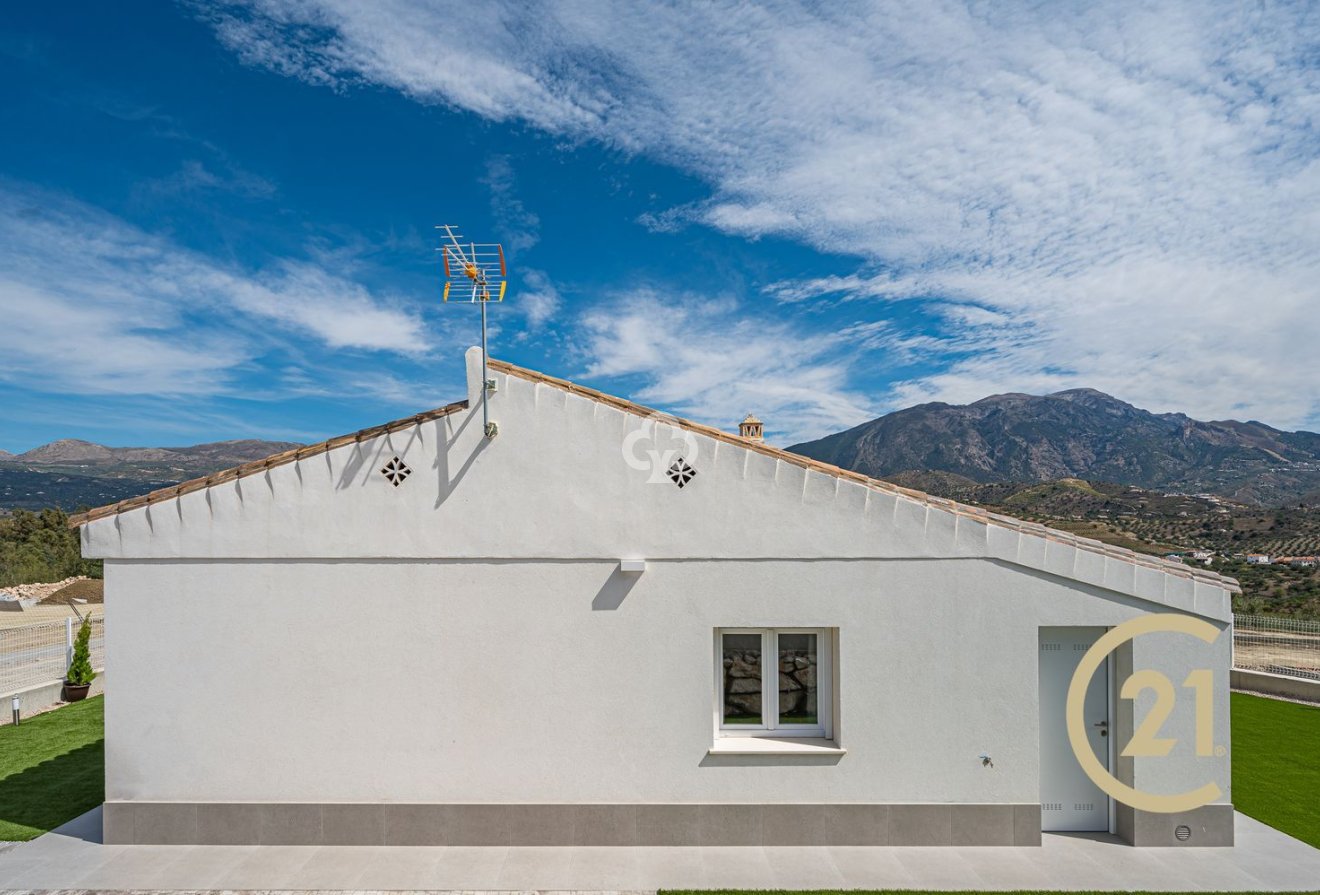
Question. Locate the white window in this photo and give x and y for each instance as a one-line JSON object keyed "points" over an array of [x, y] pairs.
{"points": [[773, 682]]}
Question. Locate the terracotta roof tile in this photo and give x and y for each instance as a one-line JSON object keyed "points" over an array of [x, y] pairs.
{"points": [[981, 515], [256, 466], [978, 513]]}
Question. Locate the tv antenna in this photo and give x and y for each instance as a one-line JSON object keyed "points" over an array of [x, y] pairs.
{"points": [[475, 273]]}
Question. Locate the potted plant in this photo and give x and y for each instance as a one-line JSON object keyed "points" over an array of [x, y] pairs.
{"points": [[78, 679]]}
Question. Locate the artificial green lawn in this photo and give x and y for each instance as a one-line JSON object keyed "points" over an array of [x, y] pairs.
{"points": [[52, 769], [1276, 764]]}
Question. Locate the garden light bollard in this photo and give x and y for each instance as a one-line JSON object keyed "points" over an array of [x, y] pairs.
{"points": [[17, 712]]}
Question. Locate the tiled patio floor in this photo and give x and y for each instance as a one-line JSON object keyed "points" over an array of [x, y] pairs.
{"points": [[73, 858]]}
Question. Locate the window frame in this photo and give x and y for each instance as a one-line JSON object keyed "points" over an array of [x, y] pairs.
{"points": [[770, 726]]}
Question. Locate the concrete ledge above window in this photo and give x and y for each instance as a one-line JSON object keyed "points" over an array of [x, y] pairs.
{"points": [[775, 746]]}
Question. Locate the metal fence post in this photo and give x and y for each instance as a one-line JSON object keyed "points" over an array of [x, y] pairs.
{"points": [[68, 643]]}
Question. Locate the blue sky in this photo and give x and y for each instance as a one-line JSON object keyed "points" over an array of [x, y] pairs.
{"points": [[216, 221]]}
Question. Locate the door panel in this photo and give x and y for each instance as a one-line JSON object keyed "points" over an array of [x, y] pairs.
{"points": [[1069, 800]]}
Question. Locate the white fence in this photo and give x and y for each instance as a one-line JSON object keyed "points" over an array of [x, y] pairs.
{"points": [[1285, 646], [40, 653]]}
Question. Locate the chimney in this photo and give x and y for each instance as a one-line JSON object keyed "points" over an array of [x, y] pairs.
{"points": [[750, 428]]}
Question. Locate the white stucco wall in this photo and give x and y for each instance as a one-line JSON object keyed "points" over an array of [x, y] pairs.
{"points": [[313, 633], [555, 484], [500, 682]]}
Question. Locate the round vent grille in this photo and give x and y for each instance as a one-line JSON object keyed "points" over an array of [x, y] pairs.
{"points": [[1183, 832]]}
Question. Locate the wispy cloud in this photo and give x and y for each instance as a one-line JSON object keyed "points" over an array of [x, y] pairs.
{"points": [[711, 360], [1134, 188], [519, 228], [95, 305], [194, 177]]}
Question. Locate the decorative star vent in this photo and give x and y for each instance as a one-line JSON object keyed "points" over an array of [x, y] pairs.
{"points": [[680, 473], [396, 471]]}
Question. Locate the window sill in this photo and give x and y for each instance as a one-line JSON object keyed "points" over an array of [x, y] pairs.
{"points": [[775, 746]]}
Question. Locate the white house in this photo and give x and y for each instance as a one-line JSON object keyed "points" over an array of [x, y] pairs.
{"points": [[418, 634]]}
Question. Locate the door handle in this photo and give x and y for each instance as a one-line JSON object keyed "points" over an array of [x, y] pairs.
{"points": [[1104, 727]]}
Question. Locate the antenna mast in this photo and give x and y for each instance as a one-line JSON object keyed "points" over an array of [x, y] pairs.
{"points": [[481, 267]]}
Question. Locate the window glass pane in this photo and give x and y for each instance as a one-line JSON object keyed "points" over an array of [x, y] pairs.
{"points": [[742, 679], [797, 679]]}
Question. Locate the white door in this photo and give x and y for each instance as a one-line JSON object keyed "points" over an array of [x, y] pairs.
{"points": [[1068, 798]]}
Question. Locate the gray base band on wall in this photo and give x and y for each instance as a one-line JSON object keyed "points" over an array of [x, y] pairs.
{"points": [[211, 823], [1209, 825]]}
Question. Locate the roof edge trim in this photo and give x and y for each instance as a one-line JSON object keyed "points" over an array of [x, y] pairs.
{"points": [[977, 513], [252, 468]]}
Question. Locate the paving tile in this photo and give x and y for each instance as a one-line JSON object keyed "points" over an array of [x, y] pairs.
{"points": [[394, 868], [198, 866], [1005, 868], [870, 867], [122, 869], [802, 867], [735, 867], [269, 867], [937, 868], [334, 867], [603, 868], [670, 867], [534, 867], [20, 873], [469, 867]]}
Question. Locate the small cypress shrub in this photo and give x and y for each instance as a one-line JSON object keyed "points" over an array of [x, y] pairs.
{"points": [[80, 669]]}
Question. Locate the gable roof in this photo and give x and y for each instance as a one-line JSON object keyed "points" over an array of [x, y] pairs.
{"points": [[256, 466], [958, 509], [930, 500]]}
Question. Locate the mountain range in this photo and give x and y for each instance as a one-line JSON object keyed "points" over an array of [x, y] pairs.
{"points": [[71, 473], [944, 448], [1084, 434]]}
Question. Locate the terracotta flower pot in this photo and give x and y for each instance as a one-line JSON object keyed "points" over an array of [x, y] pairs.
{"points": [[75, 692]]}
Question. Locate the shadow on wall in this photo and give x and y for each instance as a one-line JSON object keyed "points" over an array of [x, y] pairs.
{"points": [[445, 484], [615, 589], [768, 761]]}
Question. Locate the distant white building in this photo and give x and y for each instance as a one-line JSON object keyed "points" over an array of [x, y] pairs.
{"points": [[1258, 559], [605, 626]]}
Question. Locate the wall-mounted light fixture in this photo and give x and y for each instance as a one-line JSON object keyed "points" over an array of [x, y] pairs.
{"points": [[632, 565]]}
